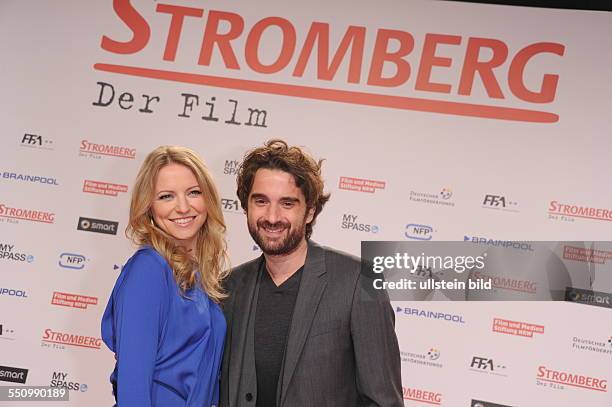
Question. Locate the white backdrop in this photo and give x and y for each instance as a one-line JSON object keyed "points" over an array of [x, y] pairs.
{"points": [[424, 146]]}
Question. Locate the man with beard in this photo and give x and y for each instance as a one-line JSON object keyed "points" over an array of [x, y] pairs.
{"points": [[304, 326]]}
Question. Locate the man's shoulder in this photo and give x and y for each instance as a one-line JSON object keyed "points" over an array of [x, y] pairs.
{"points": [[335, 257], [239, 273]]}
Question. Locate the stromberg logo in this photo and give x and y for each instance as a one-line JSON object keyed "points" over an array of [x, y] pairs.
{"points": [[60, 379], [443, 197], [52, 338], [602, 347], [588, 297], [430, 314], [103, 188], [231, 167], [430, 358], [499, 202], [566, 212], [29, 178], [73, 300], [486, 365], [94, 150], [360, 184], [7, 333], [507, 244], [13, 374], [230, 205], [11, 292], [8, 252], [507, 283], [97, 225], [14, 215], [480, 403], [559, 379], [36, 141], [516, 328], [349, 222], [423, 396], [72, 261], [418, 232]]}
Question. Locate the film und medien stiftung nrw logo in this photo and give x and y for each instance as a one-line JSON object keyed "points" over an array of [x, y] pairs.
{"points": [[97, 225]]}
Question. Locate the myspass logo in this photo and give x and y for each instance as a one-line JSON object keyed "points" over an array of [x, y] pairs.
{"points": [[231, 167], [36, 141], [551, 377], [63, 338], [14, 215], [72, 261], [13, 374], [8, 252], [61, 379], [107, 227], [37, 179], [417, 231], [423, 396], [88, 148], [350, 222], [565, 211]]}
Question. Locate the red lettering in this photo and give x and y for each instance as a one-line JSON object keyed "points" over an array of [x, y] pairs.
{"points": [[287, 48], [319, 33], [517, 68], [429, 60], [211, 37], [471, 65], [136, 23], [382, 55], [176, 25]]}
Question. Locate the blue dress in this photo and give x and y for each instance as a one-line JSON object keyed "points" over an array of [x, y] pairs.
{"points": [[168, 347]]}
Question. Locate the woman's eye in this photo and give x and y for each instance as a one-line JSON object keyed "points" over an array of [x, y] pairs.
{"points": [[195, 192], [164, 197]]}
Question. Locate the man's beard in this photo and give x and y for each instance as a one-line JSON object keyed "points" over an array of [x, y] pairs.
{"points": [[280, 247]]}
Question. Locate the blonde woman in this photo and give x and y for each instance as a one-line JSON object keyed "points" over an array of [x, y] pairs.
{"points": [[163, 319]]}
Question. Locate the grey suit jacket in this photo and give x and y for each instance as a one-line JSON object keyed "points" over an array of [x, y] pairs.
{"points": [[341, 347]]}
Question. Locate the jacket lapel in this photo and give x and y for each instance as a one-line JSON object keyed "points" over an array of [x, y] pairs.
{"points": [[242, 311], [312, 286]]}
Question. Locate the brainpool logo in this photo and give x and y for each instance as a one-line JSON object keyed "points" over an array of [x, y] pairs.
{"points": [[72, 261], [60, 379], [97, 225], [13, 374], [588, 297], [8, 252], [29, 178], [11, 292], [506, 244], [36, 141], [349, 222], [417, 231], [430, 314]]}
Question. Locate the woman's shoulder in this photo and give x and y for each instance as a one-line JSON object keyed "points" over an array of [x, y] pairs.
{"points": [[146, 266]]}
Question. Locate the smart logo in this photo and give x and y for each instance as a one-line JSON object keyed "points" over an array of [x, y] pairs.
{"points": [[97, 225], [13, 374]]}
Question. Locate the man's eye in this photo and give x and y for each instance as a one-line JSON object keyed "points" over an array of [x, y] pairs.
{"points": [[259, 201], [288, 204]]}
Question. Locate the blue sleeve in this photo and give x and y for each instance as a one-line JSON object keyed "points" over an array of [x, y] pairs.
{"points": [[141, 306]]}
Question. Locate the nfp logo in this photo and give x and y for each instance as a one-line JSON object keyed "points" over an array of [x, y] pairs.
{"points": [[418, 232], [72, 261], [97, 225]]}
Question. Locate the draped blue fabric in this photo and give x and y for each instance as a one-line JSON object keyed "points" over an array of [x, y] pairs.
{"points": [[168, 346]]}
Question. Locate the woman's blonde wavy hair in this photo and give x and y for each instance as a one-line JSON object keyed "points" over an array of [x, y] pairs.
{"points": [[210, 258]]}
